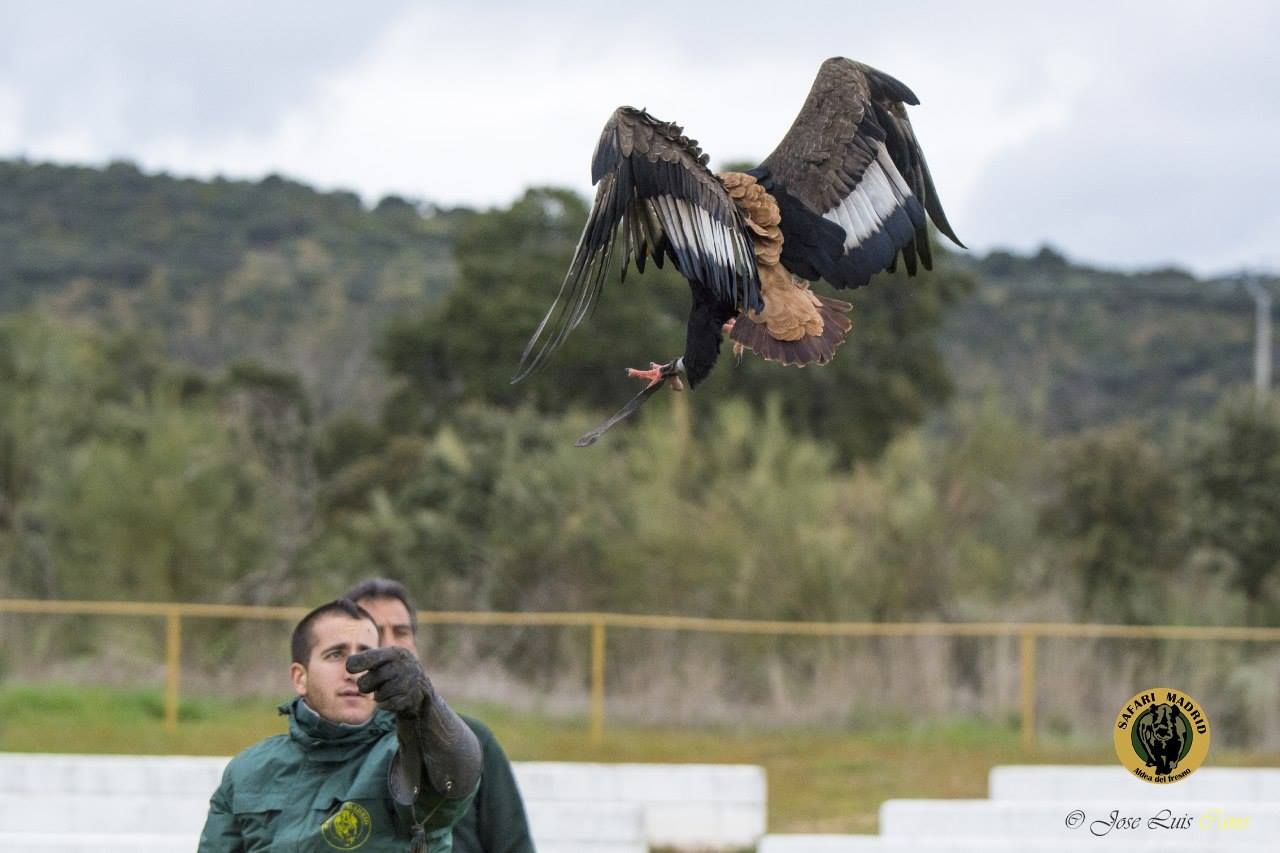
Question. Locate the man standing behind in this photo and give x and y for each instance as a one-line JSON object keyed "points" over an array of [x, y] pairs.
{"points": [[389, 771], [496, 821]]}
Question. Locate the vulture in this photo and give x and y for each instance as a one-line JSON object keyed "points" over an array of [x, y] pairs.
{"points": [[845, 193]]}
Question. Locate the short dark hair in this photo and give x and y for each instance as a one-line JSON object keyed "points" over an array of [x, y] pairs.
{"points": [[304, 638], [385, 588]]}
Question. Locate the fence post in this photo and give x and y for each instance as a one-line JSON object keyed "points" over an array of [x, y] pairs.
{"points": [[1028, 655], [597, 681], [173, 664]]}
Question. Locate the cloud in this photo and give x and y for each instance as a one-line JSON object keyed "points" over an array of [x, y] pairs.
{"points": [[1130, 134], [1166, 156], [129, 71], [10, 117]]}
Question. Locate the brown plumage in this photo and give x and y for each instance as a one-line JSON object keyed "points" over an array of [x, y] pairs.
{"points": [[845, 193], [796, 326]]}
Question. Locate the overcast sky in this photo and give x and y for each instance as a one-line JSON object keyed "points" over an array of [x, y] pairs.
{"points": [[1130, 135]]}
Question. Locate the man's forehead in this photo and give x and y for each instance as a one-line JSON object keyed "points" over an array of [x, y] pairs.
{"points": [[333, 628]]}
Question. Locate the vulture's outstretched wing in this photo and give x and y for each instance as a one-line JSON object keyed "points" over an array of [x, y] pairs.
{"points": [[851, 181], [653, 181]]}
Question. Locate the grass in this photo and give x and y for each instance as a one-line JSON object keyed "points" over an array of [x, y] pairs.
{"points": [[820, 779]]}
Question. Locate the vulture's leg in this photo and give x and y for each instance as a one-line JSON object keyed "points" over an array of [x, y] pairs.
{"points": [[707, 318]]}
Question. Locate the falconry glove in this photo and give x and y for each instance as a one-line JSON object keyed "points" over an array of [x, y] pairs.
{"points": [[430, 733]]}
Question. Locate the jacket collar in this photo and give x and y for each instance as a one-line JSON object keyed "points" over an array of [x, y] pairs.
{"points": [[329, 741]]}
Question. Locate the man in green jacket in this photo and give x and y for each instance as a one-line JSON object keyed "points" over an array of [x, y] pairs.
{"points": [[376, 764], [495, 822]]}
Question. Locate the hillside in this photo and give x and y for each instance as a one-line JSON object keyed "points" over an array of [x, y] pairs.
{"points": [[223, 271], [306, 281], [1075, 347]]}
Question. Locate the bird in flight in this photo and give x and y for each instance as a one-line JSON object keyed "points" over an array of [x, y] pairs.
{"points": [[845, 193]]}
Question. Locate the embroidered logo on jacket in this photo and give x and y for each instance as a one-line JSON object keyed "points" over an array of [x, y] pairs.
{"points": [[348, 828]]}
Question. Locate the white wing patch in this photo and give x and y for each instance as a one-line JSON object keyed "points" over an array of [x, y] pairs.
{"points": [[694, 227], [881, 191], [693, 230]]}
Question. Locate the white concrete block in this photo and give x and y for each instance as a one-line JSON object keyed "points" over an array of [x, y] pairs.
{"points": [[573, 781], [1196, 822], [640, 782], [585, 822], [705, 806], [743, 821], [592, 847], [691, 782], [782, 843], [1059, 782], [31, 773], [681, 805], [809, 843], [76, 817], [19, 842], [107, 815], [691, 825]]}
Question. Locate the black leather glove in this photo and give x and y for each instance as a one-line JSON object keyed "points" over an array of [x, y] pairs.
{"points": [[431, 735], [395, 678]]}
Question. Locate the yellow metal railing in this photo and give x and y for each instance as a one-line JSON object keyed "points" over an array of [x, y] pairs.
{"points": [[1028, 633]]}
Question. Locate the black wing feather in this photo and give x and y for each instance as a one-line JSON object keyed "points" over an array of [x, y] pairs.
{"points": [[854, 180], [654, 186]]}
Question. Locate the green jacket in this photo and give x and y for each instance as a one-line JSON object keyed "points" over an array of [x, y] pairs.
{"points": [[322, 787], [496, 822]]}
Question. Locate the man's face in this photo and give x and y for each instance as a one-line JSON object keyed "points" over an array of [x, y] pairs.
{"points": [[324, 682], [395, 627]]}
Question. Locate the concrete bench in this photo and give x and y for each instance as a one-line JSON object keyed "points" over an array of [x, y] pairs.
{"points": [[1058, 782], [583, 828], [85, 821], [573, 807], [690, 806], [1030, 804], [979, 844], [1205, 822], [50, 773], [157, 814], [69, 842]]}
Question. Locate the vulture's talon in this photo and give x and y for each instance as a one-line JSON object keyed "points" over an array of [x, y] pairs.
{"points": [[656, 374], [653, 375]]}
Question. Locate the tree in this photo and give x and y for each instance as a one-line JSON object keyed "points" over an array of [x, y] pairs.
{"points": [[1119, 511], [118, 473], [1235, 466]]}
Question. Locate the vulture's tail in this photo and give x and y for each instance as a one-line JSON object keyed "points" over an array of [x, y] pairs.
{"points": [[810, 349]]}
